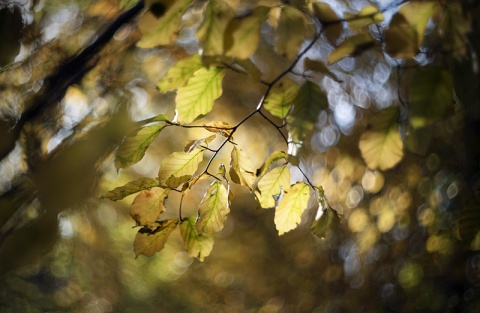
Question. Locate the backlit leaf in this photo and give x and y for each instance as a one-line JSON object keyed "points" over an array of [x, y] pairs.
{"points": [[179, 74], [272, 158], [178, 167], [241, 169], [133, 147], [367, 15], [329, 19], [281, 96], [327, 221], [351, 46], [197, 97], [319, 66], [381, 145], [290, 32], [148, 205], [213, 209], [288, 213], [270, 185], [130, 188], [193, 144], [308, 104], [152, 238], [250, 68], [211, 32], [219, 127], [198, 246]]}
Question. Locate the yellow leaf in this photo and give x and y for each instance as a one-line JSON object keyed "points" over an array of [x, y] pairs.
{"points": [[274, 157], [351, 46], [211, 32], [290, 32], [332, 24], [319, 66], [213, 209], [271, 185], [288, 213], [178, 167], [198, 246], [241, 169], [222, 128], [367, 15], [179, 74], [194, 144], [281, 97], [152, 238], [148, 205], [131, 188]]}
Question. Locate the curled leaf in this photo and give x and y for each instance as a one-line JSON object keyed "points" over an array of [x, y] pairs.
{"points": [[152, 238], [213, 209], [198, 246]]}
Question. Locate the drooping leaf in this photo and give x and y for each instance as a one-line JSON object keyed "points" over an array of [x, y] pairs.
{"points": [[243, 33], [198, 246], [178, 167], [194, 144], [148, 205], [319, 66], [329, 19], [326, 222], [308, 103], [160, 118], [152, 238], [211, 32], [222, 128], [241, 169], [213, 209], [272, 158], [367, 15], [179, 74], [280, 99], [381, 145], [197, 97], [351, 46], [431, 94], [130, 188], [271, 185], [133, 147], [250, 68], [288, 213], [290, 32], [160, 24]]}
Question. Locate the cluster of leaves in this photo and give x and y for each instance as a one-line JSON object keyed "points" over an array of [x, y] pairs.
{"points": [[228, 36]]}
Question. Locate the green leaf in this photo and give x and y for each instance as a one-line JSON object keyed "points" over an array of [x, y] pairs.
{"points": [[351, 46], [241, 169], [197, 97], [211, 32], [250, 68], [271, 184], [381, 145], [331, 22], [148, 205], [198, 246], [290, 32], [179, 74], [367, 15], [327, 223], [242, 35], [281, 97], [152, 238], [160, 27], [308, 103], [130, 188], [288, 213], [431, 94], [319, 66], [274, 157], [194, 144], [160, 118], [213, 209], [133, 147], [178, 167]]}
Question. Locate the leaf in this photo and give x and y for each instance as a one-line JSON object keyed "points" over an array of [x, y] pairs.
{"points": [[367, 15], [274, 157], [213, 209], [148, 205], [288, 213], [405, 34], [351, 46], [332, 24], [198, 246], [152, 238], [290, 32], [210, 34], [130, 188], [280, 98], [197, 97], [241, 169], [326, 223], [133, 147], [431, 94], [242, 35], [269, 186], [222, 128], [160, 118], [381, 145], [179, 74], [250, 68], [194, 144], [319, 66], [160, 24], [178, 167], [308, 104]]}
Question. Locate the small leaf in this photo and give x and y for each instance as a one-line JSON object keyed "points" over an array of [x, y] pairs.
{"points": [[274, 157], [198, 246], [197, 97], [179, 74], [133, 147], [381, 145], [222, 128], [270, 185], [152, 238], [241, 169], [281, 97], [367, 15], [351, 46], [288, 213], [131, 188], [329, 19], [327, 223], [213, 209], [178, 167], [194, 144], [211, 32], [290, 32], [148, 205], [319, 66]]}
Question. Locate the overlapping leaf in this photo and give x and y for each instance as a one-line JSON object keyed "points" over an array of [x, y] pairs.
{"points": [[367, 15], [152, 238], [280, 99], [197, 97], [222, 128], [130, 188], [241, 169], [198, 246], [351, 46], [288, 213], [194, 144], [270, 185], [210, 34], [179, 74], [330, 20], [290, 33], [148, 205], [178, 167], [272, 158], [213, 209], [319, 66]]}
